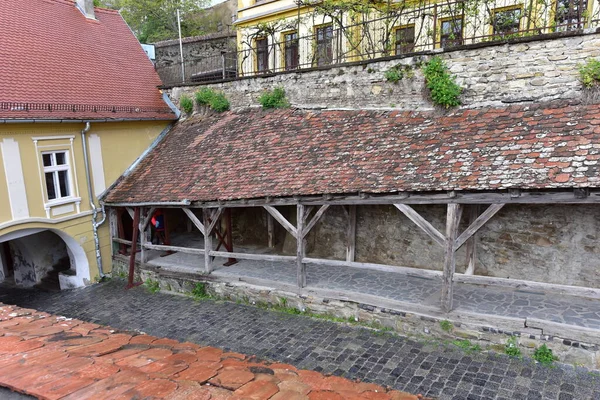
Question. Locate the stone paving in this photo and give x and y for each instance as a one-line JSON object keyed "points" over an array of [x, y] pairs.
{"points": [[433, 369], [53, 357]]}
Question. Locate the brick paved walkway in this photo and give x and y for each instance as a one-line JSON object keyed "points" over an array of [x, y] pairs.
{"points": [[53, 357], [444, 372]]}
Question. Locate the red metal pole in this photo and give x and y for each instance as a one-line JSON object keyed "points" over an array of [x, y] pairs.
{"points": [[134, 239]]}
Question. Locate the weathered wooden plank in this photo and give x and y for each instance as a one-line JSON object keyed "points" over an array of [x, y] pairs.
{"points": [[249, 256], [479, 222], [208, 246], [452, 222], [471, 242], [214, 218], [122, 241], [300, 247], [351, 234], [270, 231], [147, 218], [136, 228], [130, 212], [281, 219], [315, 219], [146, 214], [422, 223], [375, 267], [557, 289], [177, 249], [194, 220]]}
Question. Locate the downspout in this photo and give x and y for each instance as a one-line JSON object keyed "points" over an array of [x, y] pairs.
{"points": [[95, 222]]}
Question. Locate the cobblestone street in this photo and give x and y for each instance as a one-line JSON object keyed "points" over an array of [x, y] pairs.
{"points": [[433, 369]]}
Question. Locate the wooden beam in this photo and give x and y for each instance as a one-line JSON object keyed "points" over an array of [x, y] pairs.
{"points": [[422, 223], [208, 267], [479, 222], [177, 249], [148, 218], [130, 211], [424, 273], [300, 247], [122, 241], [136, 228], [146, 215], [270, 231], [472, 242], [315, 219], [284, 222], [213, 219], [249, 256], [452, 222], [194, 220], [351, 234]]}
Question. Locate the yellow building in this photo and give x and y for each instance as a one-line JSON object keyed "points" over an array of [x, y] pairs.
{"points": [[79, 104], [283, 35]]}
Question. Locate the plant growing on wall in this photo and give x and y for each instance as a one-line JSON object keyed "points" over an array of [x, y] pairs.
{"points": [[544, 355], [274, 99], [215, 100], [187, 104], [443, 89], [589, 74]]}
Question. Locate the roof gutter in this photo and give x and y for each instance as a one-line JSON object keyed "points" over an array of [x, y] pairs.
{"points": [[154, 203], [77, 121]]}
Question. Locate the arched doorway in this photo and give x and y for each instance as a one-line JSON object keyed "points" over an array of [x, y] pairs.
{"points": [[48, 259]]}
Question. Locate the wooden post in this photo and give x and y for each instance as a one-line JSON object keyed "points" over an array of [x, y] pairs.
{"points": [[270, 231], [351, 234], [136, 228], [452, 223], [143, 235], [300, 247], [208, 227], [114, 230], [471, 243]]}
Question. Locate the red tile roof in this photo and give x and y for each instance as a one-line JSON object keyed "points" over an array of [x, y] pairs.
{"points": [[56, 64], [283, 153]]}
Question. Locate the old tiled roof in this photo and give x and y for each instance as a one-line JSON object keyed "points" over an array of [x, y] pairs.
{"points": [[56, 64], [282, 153]]}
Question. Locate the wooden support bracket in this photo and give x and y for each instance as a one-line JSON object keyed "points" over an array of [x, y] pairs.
{"points": [[315, 219], [281, 219], [422, 223], [479, 222], [192, 217]]}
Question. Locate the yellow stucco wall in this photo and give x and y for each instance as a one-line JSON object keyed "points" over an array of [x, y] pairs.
{"points": [[121, 143]]}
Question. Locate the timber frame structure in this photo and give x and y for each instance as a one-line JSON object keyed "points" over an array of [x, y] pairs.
{"points": [[310, 209]]}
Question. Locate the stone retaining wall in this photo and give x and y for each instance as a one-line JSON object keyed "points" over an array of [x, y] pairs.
{"points": [[524, 70], [489, 336]]}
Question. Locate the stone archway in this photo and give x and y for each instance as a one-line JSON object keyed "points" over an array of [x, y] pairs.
{"points": [[44, 255]]}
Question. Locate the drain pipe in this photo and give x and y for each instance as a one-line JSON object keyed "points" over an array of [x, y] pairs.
{"points": [[95, 222]]}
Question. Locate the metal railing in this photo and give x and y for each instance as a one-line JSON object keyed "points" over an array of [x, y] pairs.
{"points": [[430, 25]]}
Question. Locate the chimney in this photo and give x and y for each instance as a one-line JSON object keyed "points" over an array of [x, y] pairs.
{"points": [[87, 8]]}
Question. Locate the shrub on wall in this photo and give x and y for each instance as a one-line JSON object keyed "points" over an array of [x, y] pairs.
{"points": [[589, 74], [443, 89], [215, 100], [186, 104], [274, 99]]}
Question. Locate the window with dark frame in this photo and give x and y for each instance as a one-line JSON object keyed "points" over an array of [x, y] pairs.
{"points": [[569, 14], [324, 45], [292, 55], [405, 40], [451, 33], [56, 174], [262, 55], [506, 22]]}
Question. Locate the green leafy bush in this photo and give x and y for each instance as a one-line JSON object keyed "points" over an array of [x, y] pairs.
{"points": [[443, 89], [274, 99], [446, 325], [215, 100], [512, 347], [199, 291], [589, 73], [467, 346], [152, 285], [394, 75], [187, 104], [544, 355]]}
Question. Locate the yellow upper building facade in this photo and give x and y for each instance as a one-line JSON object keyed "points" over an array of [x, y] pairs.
{"points": [[283, 35], [76, 111]]}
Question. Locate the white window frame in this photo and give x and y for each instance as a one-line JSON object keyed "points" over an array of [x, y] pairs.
{"points": [[55, 169]]}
